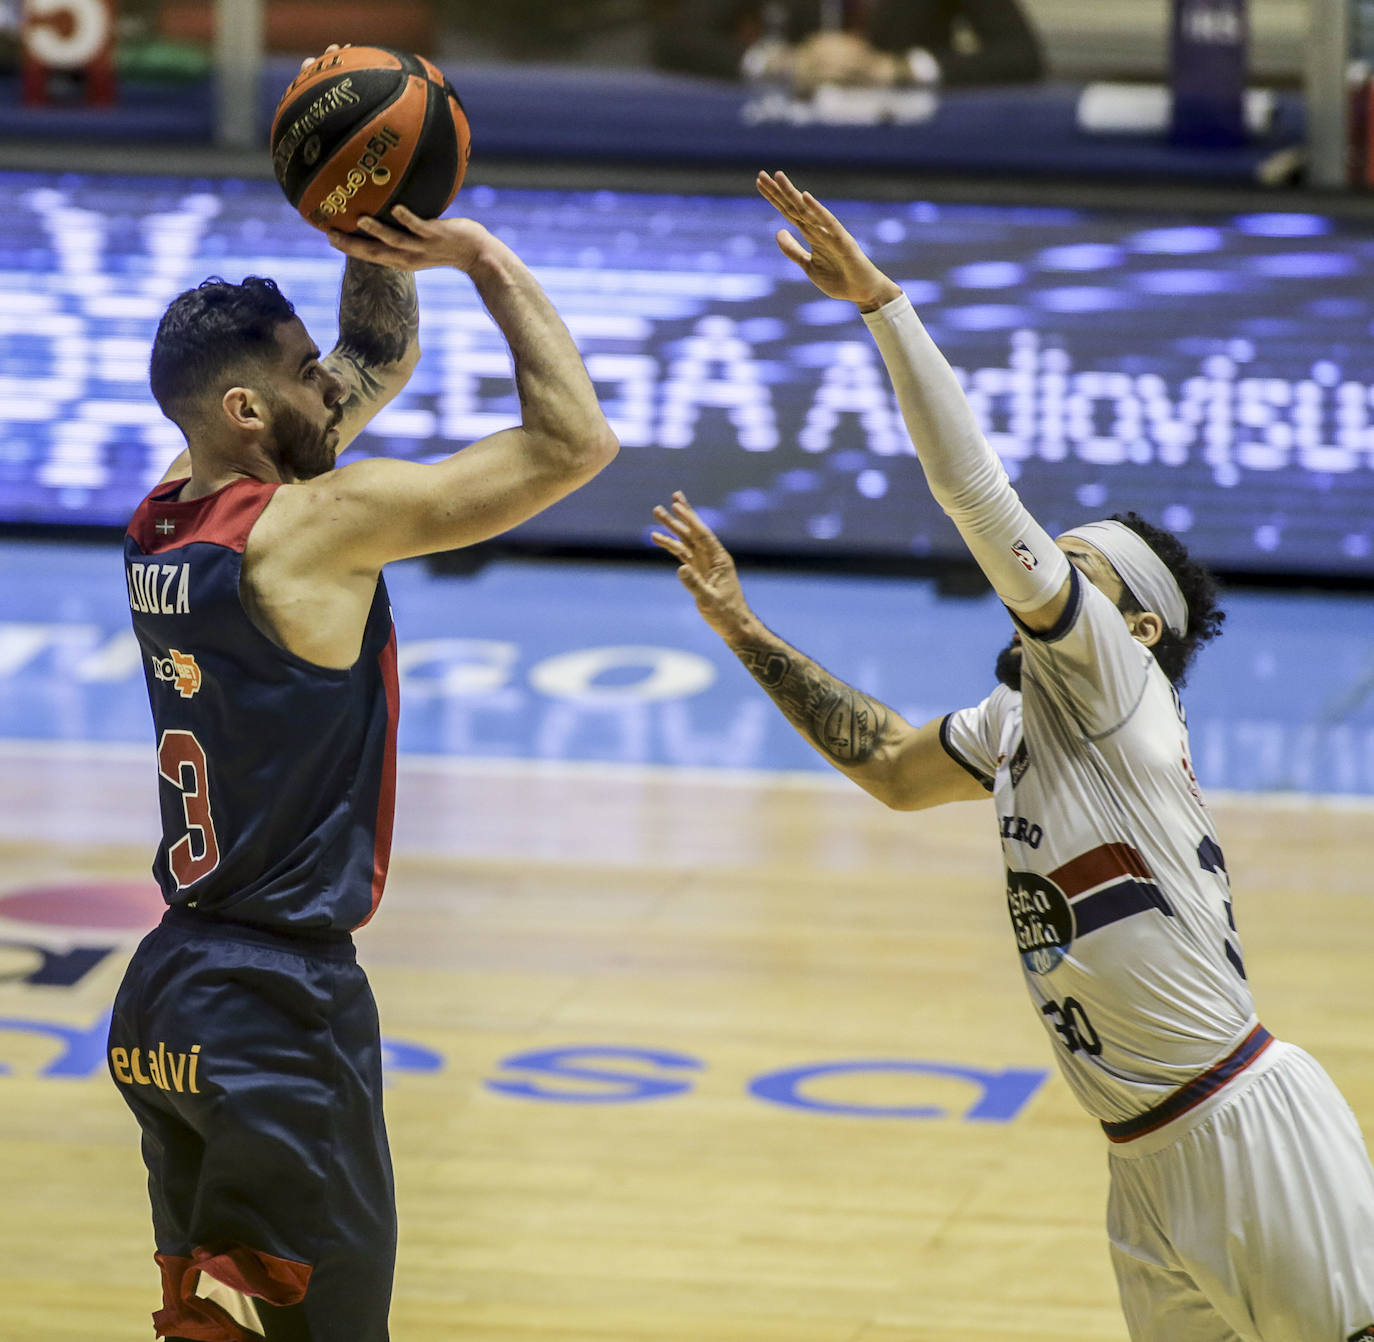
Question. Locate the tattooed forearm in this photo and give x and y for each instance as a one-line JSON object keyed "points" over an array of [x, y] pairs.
{"points": [[379, 314], [363, 384], [841, 723]]}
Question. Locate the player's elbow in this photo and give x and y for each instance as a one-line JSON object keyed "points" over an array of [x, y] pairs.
{"points": [[588, 449], [568, 459], [903, 801], [605, 446], [882, 778], [900, 794], [901, 787]]}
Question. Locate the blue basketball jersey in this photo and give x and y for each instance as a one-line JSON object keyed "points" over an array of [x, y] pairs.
{"points": [[276, 776]]}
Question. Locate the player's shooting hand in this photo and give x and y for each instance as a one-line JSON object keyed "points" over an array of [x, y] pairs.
{"points": [[412, 243], [706, 569], [836, 264]]}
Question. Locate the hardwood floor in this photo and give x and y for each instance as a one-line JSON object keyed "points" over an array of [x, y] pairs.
{"points": [[717, 930]]}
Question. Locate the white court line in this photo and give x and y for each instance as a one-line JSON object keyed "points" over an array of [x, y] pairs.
{"points": [[610, 771]]}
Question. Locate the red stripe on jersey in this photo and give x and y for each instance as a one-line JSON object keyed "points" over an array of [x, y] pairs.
{"points": [[386, 799], [163, 522], [1110, 862]]}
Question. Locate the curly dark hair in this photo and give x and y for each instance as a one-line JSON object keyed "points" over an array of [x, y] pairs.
{"points": [[210, 332], [1173, 652]]}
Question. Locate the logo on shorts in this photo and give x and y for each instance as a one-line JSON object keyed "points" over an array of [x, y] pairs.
{"points": [[165, 1070], [178, 669], [1023, 552]]}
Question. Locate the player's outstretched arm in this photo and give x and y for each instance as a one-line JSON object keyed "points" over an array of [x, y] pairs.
{"points": [[382, 510], [903, 766], [1022, 563]]}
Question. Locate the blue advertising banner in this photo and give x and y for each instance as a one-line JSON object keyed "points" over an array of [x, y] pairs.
{"points": [[610, 665], [1214, 372]]}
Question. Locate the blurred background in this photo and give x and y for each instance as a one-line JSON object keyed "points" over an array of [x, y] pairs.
{"points": [[1140, 229], [1143, 233]]}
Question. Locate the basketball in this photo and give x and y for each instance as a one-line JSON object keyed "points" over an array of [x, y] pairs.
{"points": [[366, 128]]}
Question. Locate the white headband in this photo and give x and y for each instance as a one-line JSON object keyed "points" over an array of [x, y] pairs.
{"points": [[1143, 571]]}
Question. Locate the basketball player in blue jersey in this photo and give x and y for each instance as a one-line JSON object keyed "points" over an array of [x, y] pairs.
{"points": [[1242, 1197], [244, 1036]]}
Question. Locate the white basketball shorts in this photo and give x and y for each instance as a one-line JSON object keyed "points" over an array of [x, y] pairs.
{"points": [[1251, 1220]]}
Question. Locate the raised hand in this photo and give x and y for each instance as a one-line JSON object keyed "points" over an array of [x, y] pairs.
{"points": [[412, 243], [706, 569], [836, 264]]}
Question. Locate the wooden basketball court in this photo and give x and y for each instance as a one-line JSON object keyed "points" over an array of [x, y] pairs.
{"points": [[717, 929]]}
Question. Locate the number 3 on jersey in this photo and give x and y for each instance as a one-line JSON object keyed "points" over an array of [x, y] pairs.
{"points": [[181, 761]]}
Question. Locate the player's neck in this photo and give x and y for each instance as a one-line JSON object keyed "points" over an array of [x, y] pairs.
{"points": [[212, 470]]}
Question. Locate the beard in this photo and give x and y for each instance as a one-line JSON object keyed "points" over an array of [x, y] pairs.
{"points": [[1008, 668], [303, 450]]}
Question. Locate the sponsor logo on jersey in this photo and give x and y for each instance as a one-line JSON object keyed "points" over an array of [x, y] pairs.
{"points": [[1041, 919], [1023, 552], [1020, 762], [1080, 897], [178, 669], [159, 589], [1020, 830]]}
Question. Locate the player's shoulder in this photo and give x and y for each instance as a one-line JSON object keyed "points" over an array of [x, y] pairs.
{"points": [[989, 717], [1002, 702], [307, 525], [362, 481]]}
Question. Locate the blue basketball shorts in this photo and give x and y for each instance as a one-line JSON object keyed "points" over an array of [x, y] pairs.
{"points": [[252, 1062]]}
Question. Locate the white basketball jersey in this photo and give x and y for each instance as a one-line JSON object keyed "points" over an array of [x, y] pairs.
{"points": [[1116, 885]]}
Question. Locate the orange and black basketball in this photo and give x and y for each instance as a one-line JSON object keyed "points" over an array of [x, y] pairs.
{"points": [[366, 128]]}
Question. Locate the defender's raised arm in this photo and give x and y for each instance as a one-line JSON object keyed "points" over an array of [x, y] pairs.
{"points": [[903, 766], [1023, 564]]}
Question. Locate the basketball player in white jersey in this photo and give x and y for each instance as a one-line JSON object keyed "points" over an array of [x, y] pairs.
{"points": [[1242, 1197]]}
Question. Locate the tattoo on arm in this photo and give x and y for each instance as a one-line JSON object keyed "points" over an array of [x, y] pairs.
{"points": [[843, 724], [363, 383], [379, 314]]}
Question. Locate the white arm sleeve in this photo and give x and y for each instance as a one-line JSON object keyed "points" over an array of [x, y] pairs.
{"points": [[1022, 563]]}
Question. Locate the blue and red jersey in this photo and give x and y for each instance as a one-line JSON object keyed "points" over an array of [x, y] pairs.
{"points": [[276, 776]]}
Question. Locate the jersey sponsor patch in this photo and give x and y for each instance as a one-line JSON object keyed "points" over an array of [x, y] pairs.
{"points": [[1092, 891], [1040, 918], [179, 670], [1020, 762]]}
